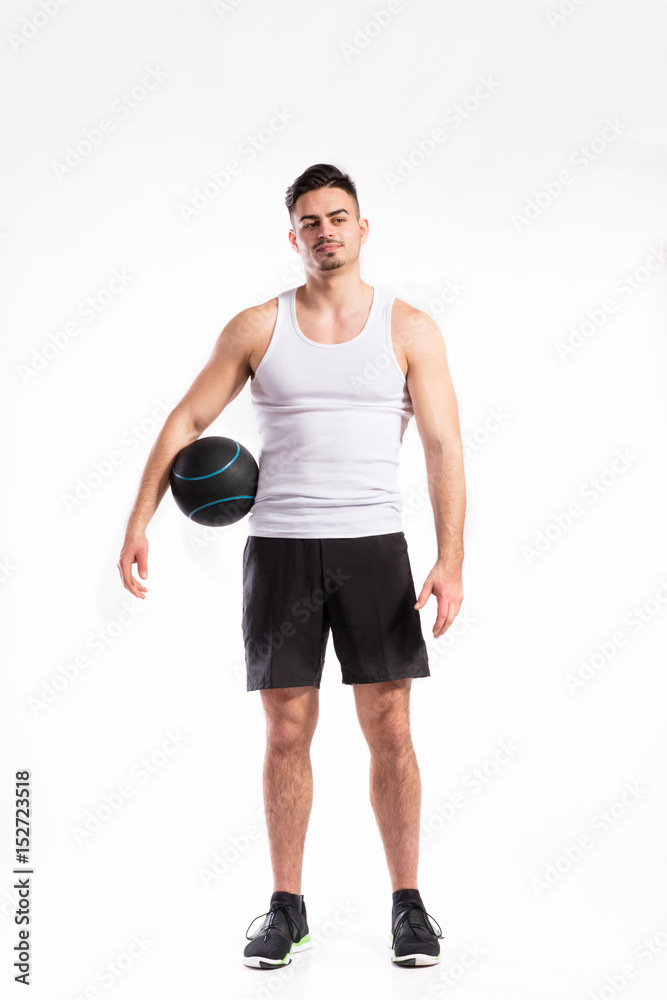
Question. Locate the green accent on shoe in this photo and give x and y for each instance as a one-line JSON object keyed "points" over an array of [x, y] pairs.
{"points": [[302, 941]]}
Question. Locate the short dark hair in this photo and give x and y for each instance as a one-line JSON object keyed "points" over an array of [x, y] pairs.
{"points": [[320, 175]]}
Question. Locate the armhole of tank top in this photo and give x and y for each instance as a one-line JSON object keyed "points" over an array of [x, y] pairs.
{"points": [[390, 346], [273, 335]]}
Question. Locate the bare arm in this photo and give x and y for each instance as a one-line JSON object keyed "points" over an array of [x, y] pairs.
{"points": [[217, 384], [436, 416]]}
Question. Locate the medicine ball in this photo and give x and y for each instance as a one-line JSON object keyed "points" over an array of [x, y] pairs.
{"points": [[214, 481]]}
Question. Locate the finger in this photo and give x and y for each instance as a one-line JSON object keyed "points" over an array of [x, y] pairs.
{"points": [[129, 582], [424, 594], [122, 569], [142, 564], [444, 619], [447, 612], [138, 589]]}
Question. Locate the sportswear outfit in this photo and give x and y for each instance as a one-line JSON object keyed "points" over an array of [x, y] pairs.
{"points": [[326, 552], [325, 548]]}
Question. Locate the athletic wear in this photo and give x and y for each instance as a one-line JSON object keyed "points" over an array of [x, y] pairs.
{"points": [[331, 419], [413, 937], [296, 589], [283, 932], [401, 894]]}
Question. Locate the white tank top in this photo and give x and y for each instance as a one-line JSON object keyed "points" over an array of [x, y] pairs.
{"points": [[331, 419]]}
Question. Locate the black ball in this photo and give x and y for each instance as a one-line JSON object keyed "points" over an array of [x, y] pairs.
{"points": [[214, 481]]}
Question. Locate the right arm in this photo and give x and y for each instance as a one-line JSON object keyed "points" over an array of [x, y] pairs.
{"points": [[218, 383]]}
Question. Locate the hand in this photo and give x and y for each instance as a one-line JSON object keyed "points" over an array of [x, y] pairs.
{"points": [[445, 582], [135, 550]]}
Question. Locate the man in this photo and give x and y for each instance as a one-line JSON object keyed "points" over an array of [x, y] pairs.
{"points": [[337, 369]]}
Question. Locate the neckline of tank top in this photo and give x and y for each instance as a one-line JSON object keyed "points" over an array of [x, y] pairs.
{"points": [[344, 343]]}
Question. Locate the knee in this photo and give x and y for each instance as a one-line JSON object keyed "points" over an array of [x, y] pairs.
{"points": [[288, 736], [388, 731], [290, 719]]}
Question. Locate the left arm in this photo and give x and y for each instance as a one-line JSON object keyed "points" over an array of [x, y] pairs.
{"points": [[436, 416]]}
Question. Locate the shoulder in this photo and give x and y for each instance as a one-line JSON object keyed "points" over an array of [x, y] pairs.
{"points": [[249, 332], [413, 329], [245, 336], [255, 321]]}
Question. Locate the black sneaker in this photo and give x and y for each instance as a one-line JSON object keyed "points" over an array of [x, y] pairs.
{"points": [[413, 937], [283, 932]]}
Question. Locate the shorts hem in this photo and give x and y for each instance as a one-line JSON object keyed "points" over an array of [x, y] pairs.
{"points": [[270, 687], [378, 680]]}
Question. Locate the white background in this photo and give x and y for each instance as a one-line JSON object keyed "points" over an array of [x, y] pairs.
{"points": [[494, 870]]}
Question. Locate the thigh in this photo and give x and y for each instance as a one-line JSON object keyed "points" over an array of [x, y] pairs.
{"points": [[375, 626], [285, 628], [383, 698]]}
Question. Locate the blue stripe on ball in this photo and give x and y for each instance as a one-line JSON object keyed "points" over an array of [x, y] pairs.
{"points": [[241, 496], [209, 474]]}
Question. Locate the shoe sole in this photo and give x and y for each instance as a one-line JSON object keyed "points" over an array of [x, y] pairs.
{"points": [[260, 962], [411, 961]]}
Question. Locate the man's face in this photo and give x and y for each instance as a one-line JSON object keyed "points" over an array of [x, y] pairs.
{"points": [[327, 233]]}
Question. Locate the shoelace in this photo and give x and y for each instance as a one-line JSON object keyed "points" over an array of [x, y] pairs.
{"points": [[294, 929], [407, 913]]}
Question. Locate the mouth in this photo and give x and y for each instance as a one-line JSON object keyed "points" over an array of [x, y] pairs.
{"points": [[328, 246]]}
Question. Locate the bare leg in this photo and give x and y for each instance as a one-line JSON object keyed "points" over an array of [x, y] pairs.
{"points": [[291, 718], [395, 785]]}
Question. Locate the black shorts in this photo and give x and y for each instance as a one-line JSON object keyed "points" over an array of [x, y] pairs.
{"points": [[296, 589]]}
